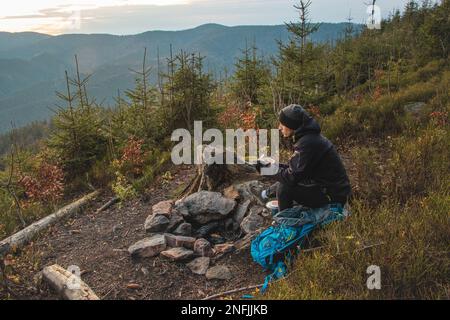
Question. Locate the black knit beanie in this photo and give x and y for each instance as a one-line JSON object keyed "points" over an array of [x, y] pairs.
{"points": [[292, 116]]}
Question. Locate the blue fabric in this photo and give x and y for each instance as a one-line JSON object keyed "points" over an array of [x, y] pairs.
{"points": [[275, 247]]}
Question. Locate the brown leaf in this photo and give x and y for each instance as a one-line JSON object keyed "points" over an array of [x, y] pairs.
{"points": [[133, 286]]}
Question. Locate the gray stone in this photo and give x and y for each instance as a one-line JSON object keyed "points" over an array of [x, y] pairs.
{"points": [[199, 265], [256, 210], [216, 238], [252, 223], [148, 247], [184, 229], [179, 241], [178, 254], [156, 223], [219, 272], [241, 211], [163, 208], [229, 224], [203, 248], [181, 210], [250, 190], [415, 107], [205, 206], [266, 213], [207, 229], [175, 220]]}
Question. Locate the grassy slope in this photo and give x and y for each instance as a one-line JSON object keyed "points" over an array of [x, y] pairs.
{"points": [[401, 203]]}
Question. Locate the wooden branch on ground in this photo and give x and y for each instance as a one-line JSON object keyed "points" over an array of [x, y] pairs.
{"points": [[232, 291], [246, 241], [371, 246], [67, 284], [25, 235], [110, 203]]}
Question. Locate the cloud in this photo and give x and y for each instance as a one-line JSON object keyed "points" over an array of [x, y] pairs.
{"points": [[135, 16], [56, 16]]}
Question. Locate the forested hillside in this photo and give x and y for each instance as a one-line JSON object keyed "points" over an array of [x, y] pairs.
{"points": [[32, 65], [381, 95]]}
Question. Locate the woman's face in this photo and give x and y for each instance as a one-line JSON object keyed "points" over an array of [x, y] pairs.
{"points": [[285, 131]]}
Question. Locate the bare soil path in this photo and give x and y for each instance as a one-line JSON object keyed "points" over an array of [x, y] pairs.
{"points": [[98, 243]]}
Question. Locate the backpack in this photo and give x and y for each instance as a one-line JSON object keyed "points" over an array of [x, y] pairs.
{"points": [[275, 247]]}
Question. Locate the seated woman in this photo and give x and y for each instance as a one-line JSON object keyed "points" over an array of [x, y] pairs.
{"points": [[315, 175]]}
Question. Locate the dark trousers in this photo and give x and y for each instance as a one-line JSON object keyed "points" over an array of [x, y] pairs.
{"points": [[307, 196]]}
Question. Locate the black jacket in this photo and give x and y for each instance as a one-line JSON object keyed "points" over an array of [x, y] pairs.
{"points": [[315, 162]]}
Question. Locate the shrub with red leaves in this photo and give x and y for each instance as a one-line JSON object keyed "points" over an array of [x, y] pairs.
{"points": [[45, 185], [133, 156], [315, 111], [377, 93], [233, 118], [440, 118]]}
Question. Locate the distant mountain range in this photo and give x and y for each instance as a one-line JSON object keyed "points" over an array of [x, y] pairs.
{"points": [[32, 65]]}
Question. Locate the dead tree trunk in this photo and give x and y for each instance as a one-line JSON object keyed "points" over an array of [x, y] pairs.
{"points": [[213, 177], [60, 278]]}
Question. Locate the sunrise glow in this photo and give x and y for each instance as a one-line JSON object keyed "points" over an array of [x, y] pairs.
{"points": [[57, 16]]}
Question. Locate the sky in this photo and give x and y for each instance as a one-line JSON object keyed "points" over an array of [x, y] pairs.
{"points": [[123, 17]]}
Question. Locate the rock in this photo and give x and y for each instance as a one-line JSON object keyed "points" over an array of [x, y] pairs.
{"points": [[219, 272], [223, 248], [241, 211], [266, 213], [199, 265], [205, 206], [163, 208], [203, 248], [179, 241], [230, 225], [148, 247], [180, 209], [184, 229], [205, 230], [216, 239], [156, 223], [252, 223], [175, 220], [256, 210], [178, 254], [250, 191], [415, 107], [231, 193]]}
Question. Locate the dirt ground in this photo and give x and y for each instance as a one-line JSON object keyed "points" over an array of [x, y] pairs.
{"points": [[98, 243]]}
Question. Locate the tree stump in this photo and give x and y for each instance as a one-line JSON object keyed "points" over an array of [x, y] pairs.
{"points": [[214, 177]]}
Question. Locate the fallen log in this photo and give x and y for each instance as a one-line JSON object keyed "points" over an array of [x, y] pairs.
{"points": [[66, 284], [22, 237]]}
